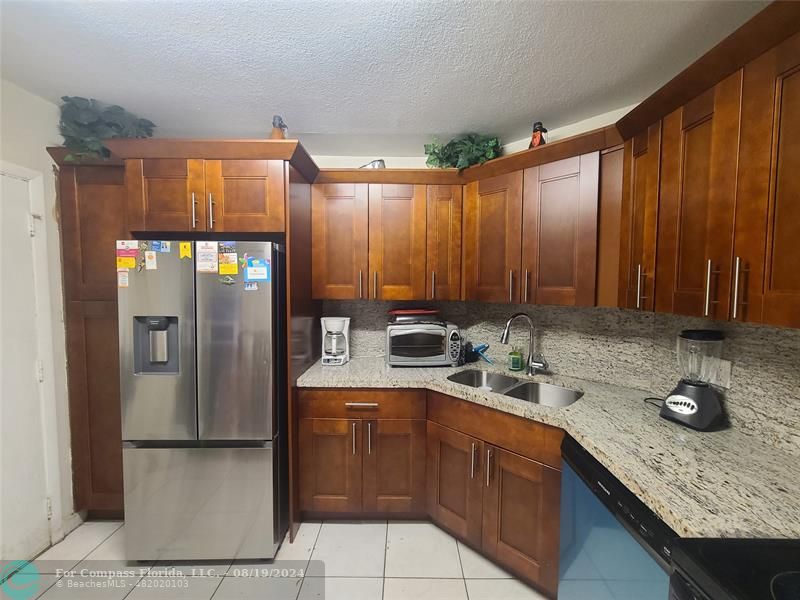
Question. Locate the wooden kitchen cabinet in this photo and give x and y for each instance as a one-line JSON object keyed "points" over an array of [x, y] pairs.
{"points": [[493, 238], [638, 230], [397, 214], [339, 231], [444, 209], [455, 490], [394, 466], [362, 451], [768, 192], [521, 515], [559, 232], [331, 454], [699, 144], [244, 195], [174, 194]]}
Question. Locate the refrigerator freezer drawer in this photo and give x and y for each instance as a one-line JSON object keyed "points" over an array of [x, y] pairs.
{"points": [[199, 503]]}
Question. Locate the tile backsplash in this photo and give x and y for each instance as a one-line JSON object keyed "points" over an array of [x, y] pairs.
{"points": [[626, 348]]}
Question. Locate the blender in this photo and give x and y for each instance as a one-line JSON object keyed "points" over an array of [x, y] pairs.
{"points": [[695, 402], [335, 340]]}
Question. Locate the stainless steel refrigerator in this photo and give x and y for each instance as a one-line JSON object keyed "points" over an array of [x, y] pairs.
{"points": [[202, 381]]}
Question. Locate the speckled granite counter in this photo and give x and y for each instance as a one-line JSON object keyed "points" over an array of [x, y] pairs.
{"points": [[719, 484]]}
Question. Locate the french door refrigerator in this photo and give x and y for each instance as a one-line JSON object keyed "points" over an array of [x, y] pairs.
{"points": [[202, 383]]}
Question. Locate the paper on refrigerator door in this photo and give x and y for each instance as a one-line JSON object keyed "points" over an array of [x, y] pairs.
{"points": [[207, 257]]}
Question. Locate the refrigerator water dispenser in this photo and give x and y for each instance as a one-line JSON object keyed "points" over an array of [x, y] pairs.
{"points": [[155, 344]]}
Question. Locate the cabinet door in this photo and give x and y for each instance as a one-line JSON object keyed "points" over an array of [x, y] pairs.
{"points": [[559, 241], [165, 194], [521, 516], [444, 242], [454, 482], [768, 194], [330, 465], [92, 202], [244, 195], [696, 206], [339, 241], [493, 238], [639, 219], [394, 466], [397, 242]]}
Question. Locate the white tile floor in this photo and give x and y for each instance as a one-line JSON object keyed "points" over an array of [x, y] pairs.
{"points": [[343, 561]]}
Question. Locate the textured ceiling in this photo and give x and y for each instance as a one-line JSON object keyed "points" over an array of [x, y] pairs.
{"points": [[351, 77]]}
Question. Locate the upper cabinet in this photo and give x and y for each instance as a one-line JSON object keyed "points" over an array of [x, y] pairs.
{"points": [[696, 208], [639, 219], [493, 238], [397, 241], [174, 194], [766, 278], [444, 242], [559, 232], [339, 229]]}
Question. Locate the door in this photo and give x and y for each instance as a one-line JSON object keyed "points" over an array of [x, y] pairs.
{"points": [[397, 242], [559, 242], [330, 465], [156, 341], [454, 482], [394, 466], [199, 503], [768, 196], [697, 200], [236, 358], [444, 242], [339, 229], [493, 239], [165, 194], [639, 219], [26, 404], [244, 195], [521, 515]]}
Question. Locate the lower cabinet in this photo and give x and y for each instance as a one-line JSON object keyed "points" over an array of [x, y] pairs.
{"points": [[362, 451]]}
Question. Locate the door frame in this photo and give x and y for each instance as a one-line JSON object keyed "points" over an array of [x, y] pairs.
{"points": [[44, 342]]}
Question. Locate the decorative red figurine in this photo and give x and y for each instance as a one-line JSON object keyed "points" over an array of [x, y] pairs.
{"points": [[537, 137]]}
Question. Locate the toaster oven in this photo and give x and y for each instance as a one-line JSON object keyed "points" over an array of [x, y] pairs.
{"points": [[423, 344]]}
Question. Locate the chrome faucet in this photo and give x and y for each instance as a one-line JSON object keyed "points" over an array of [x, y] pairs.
{"points": [[536, 362]]}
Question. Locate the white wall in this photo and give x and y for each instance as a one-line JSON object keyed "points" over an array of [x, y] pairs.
{"points": [[28, 124], [418, 162]]}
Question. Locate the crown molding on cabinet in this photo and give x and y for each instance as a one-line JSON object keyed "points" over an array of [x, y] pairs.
{"points": [[767, 29]]}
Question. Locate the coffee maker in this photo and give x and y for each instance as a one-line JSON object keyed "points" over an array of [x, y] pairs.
{"points": [[695, 402], [335, 340]]}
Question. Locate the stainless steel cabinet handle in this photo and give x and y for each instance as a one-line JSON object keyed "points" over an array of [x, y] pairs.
{"points": [[433, 285], [354, 439], [707, 303], [194, 211], [525, 293], [369, 438], [210, 211], [361, 404], [639, 286], [511, 286], [472, 462], [360, 286], [736, 268], [488, 466], [375, 285]]}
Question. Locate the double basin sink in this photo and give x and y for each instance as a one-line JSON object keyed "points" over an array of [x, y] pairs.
{"points": [[545, 394]]}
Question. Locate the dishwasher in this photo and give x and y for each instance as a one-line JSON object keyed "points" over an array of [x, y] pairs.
{"points": [[612, 546]]}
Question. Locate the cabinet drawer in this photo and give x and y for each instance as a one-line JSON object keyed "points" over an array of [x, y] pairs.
{"points": [[362, 404], [528, 438]]}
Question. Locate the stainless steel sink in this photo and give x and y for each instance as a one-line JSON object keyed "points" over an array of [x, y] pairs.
{"points": [[544, 394], [484, 379]]}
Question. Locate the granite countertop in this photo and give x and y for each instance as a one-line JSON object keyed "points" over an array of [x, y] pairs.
{"points": [[716, 484]]}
